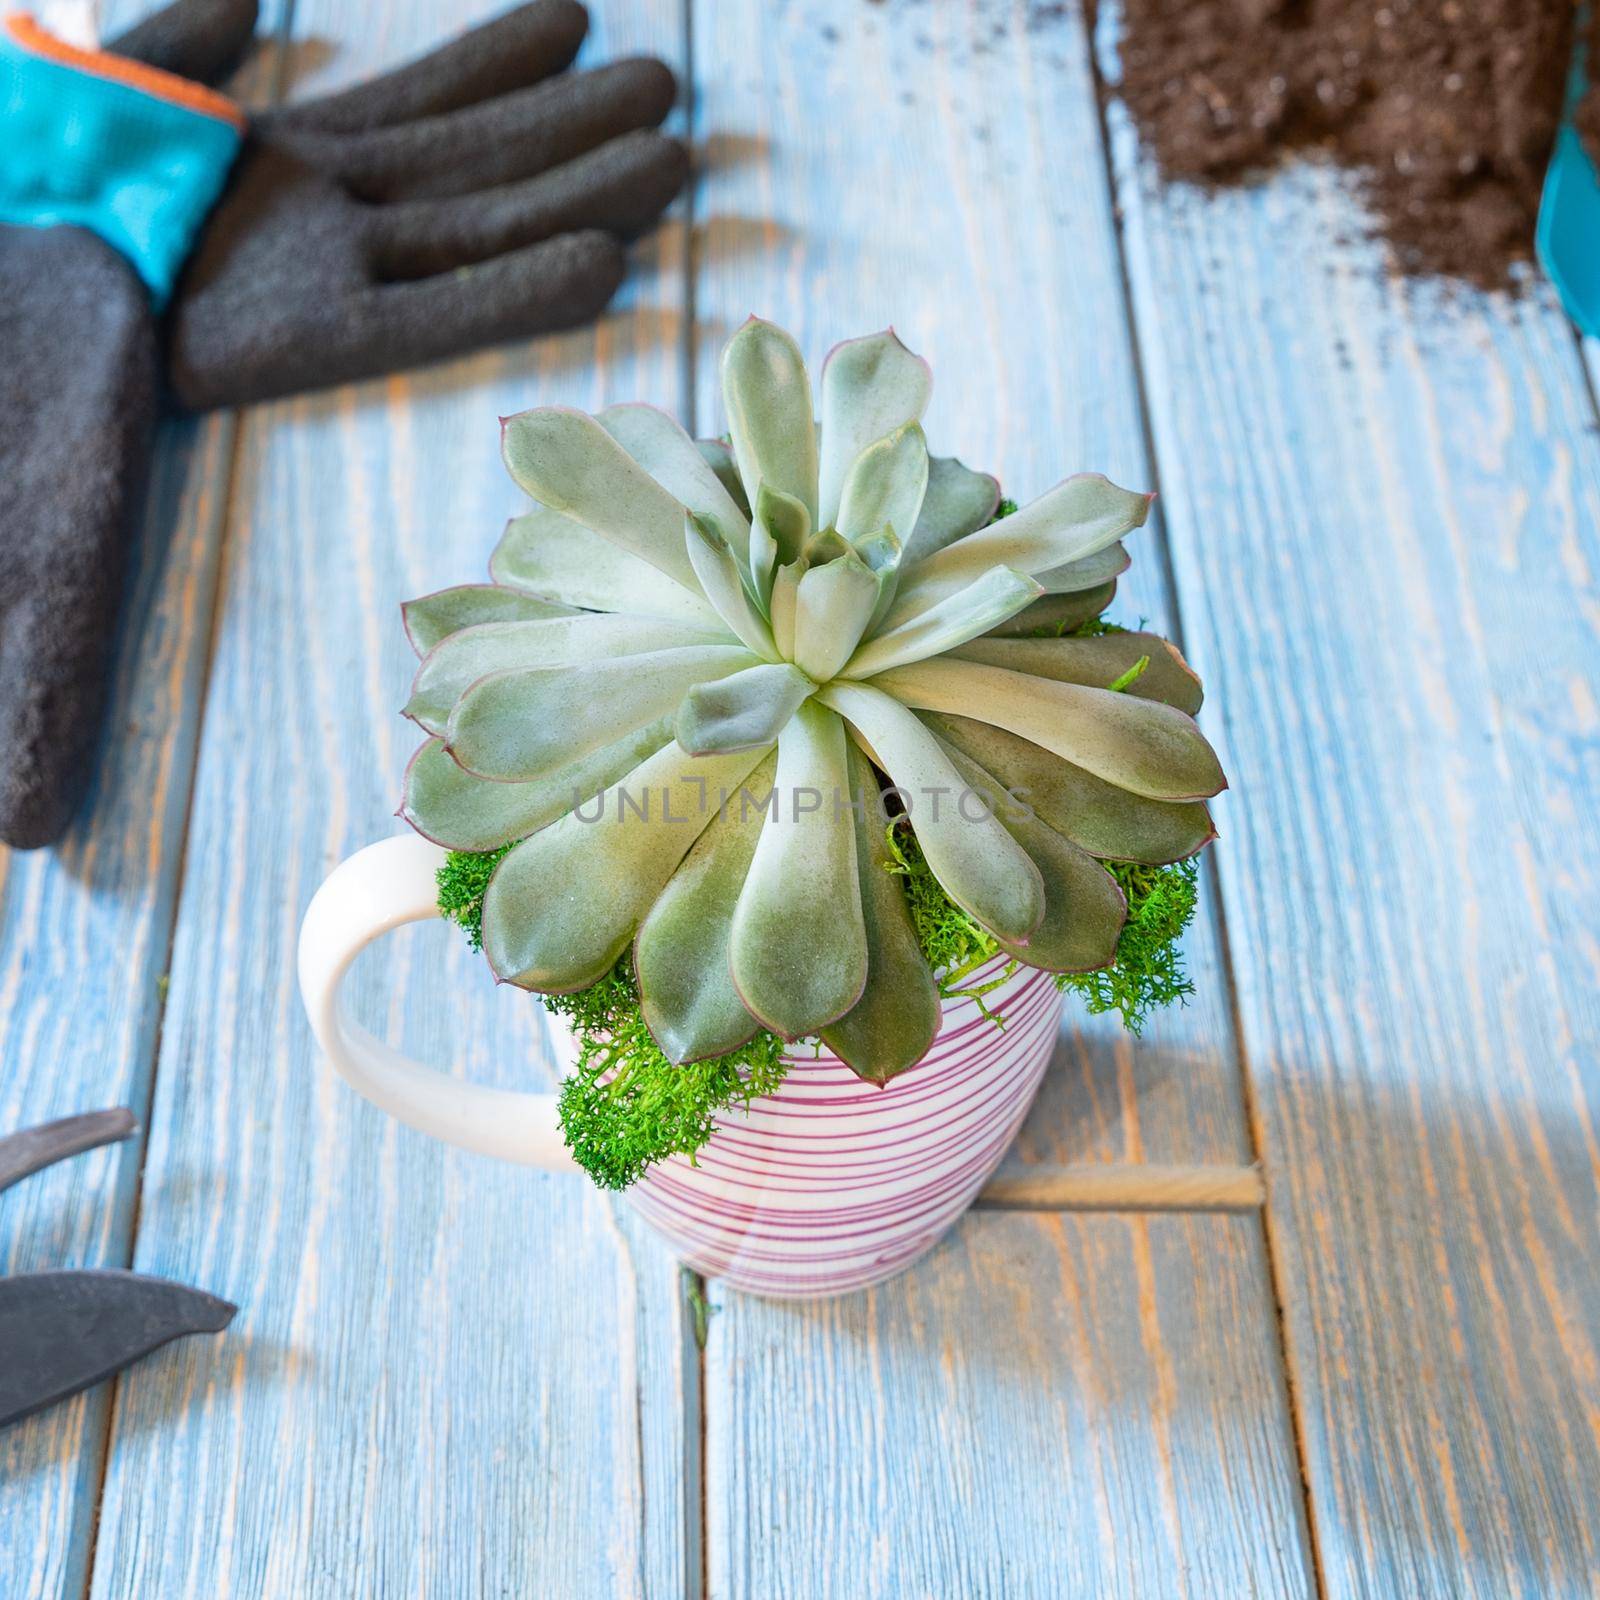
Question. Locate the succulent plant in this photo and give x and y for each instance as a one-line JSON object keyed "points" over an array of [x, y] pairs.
{"points": [[801, 616]]}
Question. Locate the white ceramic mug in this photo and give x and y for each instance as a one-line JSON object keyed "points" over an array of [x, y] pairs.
{"points": [[828, 1185]]}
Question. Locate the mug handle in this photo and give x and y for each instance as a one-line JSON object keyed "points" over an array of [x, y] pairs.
{"points": [[376, 890]]}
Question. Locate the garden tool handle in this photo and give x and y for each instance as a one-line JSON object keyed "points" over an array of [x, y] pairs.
{"points": [[366, 896]]}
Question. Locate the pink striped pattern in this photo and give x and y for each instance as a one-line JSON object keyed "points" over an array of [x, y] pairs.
{"points": [[832, 1184]]}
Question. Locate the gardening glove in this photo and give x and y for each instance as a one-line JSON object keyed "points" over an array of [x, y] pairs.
{"points": [[79, 385], [457, 202], [472, 197]]}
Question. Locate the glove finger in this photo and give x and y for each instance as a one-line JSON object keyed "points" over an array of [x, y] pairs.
{"points": [[388, 327], [199, 39], [561, 283], [622, 188], [499, 141], [520, 48]]}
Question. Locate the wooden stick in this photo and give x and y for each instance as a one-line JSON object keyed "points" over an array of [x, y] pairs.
{"points": [[1099, 1186]]}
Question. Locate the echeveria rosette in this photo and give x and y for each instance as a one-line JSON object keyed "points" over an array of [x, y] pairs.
{"points": [[812, 608]]}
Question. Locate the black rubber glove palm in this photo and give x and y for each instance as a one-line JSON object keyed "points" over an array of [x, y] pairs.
{"points": [[468, 198]]}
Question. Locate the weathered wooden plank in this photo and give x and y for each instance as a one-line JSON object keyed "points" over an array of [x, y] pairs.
{"points": [[84, 935], [1383, 503], [446, 1377], [964, 1430], [1122, 1370]]}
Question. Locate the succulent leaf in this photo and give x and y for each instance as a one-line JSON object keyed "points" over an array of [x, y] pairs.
{"points": [[768, 399], [870, 387], [777, 539], [570, 464], [563, 904], [893, 1024], [459, 661], [781, 606], [833, 605], [1108, 822], [545, 554], [1100, 661], [885, 485], [958, 501], [1072, 521], [1087, 573], [963, 616], [1140, 745], [981, 867], [787, 520], [723, 581], [798, 951], [434, 617], [885, 556], [881, 550], [451, 806], [672, 458], [522, 725], [681, 954], [824, 546], [1057, 614], [763, 562], [742, 712], [1083, 908]]}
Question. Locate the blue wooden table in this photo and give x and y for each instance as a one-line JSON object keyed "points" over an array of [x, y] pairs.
{"points": [[1377, 540]]}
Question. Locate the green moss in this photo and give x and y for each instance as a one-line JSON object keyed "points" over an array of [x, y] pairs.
{"points": [[624, 1106], [1148, 972], [462, 880]]}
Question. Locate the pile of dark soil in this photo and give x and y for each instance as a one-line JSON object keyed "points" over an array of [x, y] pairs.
{"points": [[1446, 108]]}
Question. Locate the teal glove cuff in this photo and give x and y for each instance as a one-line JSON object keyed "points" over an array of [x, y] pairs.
{"points": [[136, 155]]}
